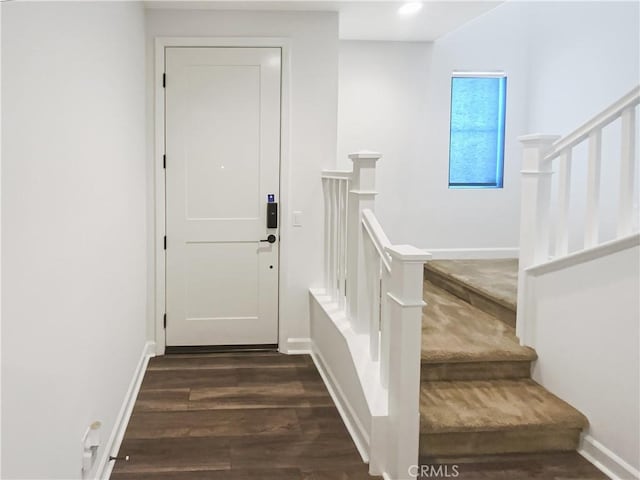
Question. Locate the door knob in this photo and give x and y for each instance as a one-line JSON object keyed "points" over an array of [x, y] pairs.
{"points": [[270, 239]]}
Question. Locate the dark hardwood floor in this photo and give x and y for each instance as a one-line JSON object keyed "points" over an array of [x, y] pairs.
{"points": [[266, 416], [531, 466], [236, 416]]}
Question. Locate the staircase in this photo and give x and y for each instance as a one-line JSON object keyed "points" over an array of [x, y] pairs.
{"points": [[457, 364], [476, 394]]}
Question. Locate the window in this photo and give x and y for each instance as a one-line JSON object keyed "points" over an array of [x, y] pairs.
{"points": [[476, 142]]}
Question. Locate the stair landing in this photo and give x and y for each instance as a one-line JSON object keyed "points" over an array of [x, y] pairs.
{"points": [[491, 285], [455, 330]]}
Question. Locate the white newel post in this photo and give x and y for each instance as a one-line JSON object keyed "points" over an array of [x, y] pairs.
{"points": [[405, 342], [535, 200], [361, 195]]}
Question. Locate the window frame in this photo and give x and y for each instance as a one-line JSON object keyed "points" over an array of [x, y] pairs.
{"points": [[502, 109]]}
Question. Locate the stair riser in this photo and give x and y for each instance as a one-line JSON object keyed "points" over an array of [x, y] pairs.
{"points": [[475, 371], [481, 302], [497, 442]]}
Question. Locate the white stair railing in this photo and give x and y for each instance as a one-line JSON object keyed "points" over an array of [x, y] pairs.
{"points": [[335, 186], [541, 154], [378, 274], [379, 286]]}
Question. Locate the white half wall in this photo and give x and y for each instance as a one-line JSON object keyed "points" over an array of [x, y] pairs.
{"points": [[587, 337], [313, 38], [73, 227], [333, 343]]}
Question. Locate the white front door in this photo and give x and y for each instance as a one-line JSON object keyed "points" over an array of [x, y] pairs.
{"points": [[222, 165]]}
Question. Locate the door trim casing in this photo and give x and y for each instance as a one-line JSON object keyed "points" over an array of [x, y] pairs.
{"points": [[159, 172]]}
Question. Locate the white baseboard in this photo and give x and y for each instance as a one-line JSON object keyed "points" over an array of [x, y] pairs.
{"points": [[103, 472], [297, 346], [472, 253], [605, 460]]}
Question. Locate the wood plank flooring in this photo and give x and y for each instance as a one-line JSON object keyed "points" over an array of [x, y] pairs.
{"points": [[236, 416], [266, 416], [532, 466]]}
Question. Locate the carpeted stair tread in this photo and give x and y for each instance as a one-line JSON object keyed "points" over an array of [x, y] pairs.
{"points": [[495, 405], [495, 278], [455, 331]]}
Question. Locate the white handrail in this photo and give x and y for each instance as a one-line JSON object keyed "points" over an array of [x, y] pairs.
{"points": [[336, 174], [377, 236], [598, 122]]}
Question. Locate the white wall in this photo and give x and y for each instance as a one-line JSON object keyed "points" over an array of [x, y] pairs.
{"points": [[475, 218], [382, 107], [73, 226], [560, 72], [580, 67], [587, 338], [0, 235], [411, 128], [313, 114]]}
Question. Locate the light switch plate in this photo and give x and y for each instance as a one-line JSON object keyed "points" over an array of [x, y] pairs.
{"points": [[297, 218]]}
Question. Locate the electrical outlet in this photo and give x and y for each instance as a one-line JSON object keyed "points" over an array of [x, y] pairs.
{"points": [[90, 444]]}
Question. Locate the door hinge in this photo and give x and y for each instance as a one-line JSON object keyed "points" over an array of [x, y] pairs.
{"points": [[165, 320], [164, 161], [164, 80], [165, 242]]}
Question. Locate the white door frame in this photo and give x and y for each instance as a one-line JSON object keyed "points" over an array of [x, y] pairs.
{"points": [[159, 172]]}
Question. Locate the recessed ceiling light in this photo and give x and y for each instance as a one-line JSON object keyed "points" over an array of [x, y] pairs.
{"points": [[410, 8]]}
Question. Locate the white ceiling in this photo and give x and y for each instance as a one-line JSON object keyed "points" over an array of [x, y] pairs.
{"points": [[363, 20]]}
